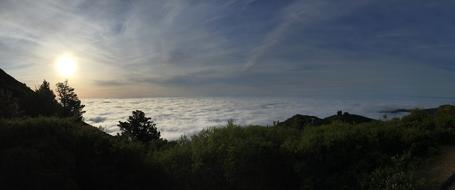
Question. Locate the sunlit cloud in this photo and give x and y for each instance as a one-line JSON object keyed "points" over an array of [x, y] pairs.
{"points": [[176, 116]]}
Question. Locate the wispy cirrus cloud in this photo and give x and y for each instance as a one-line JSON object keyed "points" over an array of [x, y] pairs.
{"points": [[182, 47]]}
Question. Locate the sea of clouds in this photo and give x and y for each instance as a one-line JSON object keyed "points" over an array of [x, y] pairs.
{"points": [[187, 116]]}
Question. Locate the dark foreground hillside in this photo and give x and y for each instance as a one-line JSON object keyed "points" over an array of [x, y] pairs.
{"points": [[49, 153], [53, 153]]}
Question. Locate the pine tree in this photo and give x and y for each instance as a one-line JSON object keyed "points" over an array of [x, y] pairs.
{"points": [[46, 100], [139, 127], [71, 105]]}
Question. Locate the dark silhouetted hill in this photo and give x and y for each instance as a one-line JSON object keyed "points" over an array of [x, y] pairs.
{"points": [[426, 110], [347, 118], [63, 153], [300, 121], [18, 89], [16, 97], [18, 100]]}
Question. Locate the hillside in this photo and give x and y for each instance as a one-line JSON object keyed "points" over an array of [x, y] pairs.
{"points": [[44, 153], [56, 153], [18, 100], [15, 97], [10, 84], [301, 121]]}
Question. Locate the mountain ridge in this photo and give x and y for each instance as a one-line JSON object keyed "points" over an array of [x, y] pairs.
{"points": [[9, 83], [299, 121]]}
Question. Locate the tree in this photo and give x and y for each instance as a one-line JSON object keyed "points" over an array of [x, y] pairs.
{"points": [[71, 105], [139, 127], [46, 100]]}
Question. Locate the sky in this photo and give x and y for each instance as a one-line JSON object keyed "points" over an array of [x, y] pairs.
{"points": [[330, 48]]}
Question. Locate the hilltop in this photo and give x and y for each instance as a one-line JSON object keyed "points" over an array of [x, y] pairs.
{"points": [[301, 121]]}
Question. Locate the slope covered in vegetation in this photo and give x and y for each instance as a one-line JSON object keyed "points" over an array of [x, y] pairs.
{"points": [[55, 153], [15, 97], [40, 153]]}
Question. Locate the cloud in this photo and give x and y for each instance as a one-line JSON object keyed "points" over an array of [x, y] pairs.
{"points": [[97, 119], [299, 13], [110, 83], [188, 47], [188, 116]]}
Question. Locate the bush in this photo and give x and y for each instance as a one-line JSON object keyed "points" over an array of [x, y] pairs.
{"points": [[335, 156]]}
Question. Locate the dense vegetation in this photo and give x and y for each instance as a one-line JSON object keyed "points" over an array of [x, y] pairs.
{"points": [[55, 153], [42, 153]]}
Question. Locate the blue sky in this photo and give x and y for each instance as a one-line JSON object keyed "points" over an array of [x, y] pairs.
{"points": [[332, 48]]}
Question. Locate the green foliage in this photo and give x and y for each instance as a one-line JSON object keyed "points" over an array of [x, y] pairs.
{"points": [[335, 156], [397, 175], [71, 105], [230, 158], [440, 121], [140, 128], [342, 155], [44, 153]]}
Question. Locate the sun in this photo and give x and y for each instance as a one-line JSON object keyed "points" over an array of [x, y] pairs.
{"points": [[66, 65]]}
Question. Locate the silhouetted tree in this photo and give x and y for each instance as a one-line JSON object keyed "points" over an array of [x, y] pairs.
{"points": [[71, 105], [46, 100], [139, 127]]}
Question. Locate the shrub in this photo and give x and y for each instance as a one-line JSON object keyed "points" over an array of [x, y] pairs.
{"points": [[140, 128]]}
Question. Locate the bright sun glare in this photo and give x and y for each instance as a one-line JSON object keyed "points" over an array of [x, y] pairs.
{"points": [[66, 65]]}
